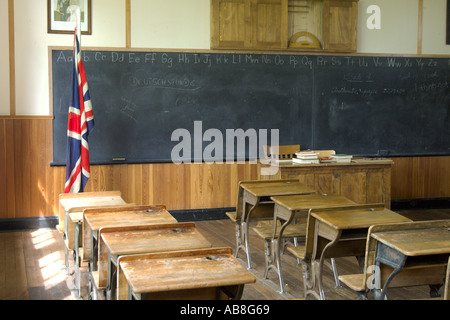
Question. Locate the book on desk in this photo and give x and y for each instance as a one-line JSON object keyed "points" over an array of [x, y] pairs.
{"points": [[343, 158], [306, 157]]}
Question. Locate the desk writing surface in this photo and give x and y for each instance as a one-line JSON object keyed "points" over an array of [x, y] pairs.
{"points": [[276, 188], [76, 216], [417, 242], [182, 270], [358, 217], [91, 202], [167, 237], [311, 201], [355, 162], [128, 218]]}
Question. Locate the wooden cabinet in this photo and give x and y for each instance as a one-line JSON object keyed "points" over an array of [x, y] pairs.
{"points": [[340, 20], [248, 24], [271, 24]]}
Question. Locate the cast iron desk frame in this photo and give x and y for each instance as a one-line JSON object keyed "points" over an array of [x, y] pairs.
{"points": [[259, 191]]}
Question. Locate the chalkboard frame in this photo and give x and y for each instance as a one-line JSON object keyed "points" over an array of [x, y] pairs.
{"points": [[231, 52]]}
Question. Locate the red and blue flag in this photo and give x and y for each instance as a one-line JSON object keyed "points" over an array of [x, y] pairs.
{"points": [[80, 123]]}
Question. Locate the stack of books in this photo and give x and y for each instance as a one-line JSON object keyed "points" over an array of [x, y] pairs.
{"points": [[342, 158], [306, 157]]}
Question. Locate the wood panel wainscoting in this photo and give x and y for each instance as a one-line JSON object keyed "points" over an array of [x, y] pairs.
{"points": [[29, 186]]}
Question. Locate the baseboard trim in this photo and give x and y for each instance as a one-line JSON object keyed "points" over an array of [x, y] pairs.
{"points": [[28, 223], [432, 203]]}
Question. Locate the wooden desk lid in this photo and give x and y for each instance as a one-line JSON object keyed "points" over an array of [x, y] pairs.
{"points": [[277, 187], [415, 238], [153, 238], [357, 216], [309, 201], [181, 270], [126, 216]]}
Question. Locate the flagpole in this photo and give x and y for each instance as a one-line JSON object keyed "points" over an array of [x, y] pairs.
{"points": [[78, 15], [76, 11]]}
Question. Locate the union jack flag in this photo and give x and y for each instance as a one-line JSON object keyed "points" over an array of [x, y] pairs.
{"points": [[80, 123]]}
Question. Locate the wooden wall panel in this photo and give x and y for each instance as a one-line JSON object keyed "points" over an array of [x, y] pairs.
{"points": [[420, 177], [3, 169], [7, 169], [29, 187]]}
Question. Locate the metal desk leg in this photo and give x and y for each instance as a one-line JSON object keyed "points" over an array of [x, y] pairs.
{"points": [[335, 273], [112, 274], [66, 251], [77, 257], [388, 256], [94, 254], [245, 230], [238, 238], [321, 262]]}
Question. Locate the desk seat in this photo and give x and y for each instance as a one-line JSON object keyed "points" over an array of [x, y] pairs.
{"points": [[298, 252], [355, 282], [292, 231], [96, 289], [231, 215]]}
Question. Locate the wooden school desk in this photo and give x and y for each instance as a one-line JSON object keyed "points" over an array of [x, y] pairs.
{"points": [[363, 180], [119, 241], [73, 237], [255, 193], [340, 232], [297, 206], [414, 254], [191, 274], [85, 199], [70, 201], [82, 200], [94, 219]]}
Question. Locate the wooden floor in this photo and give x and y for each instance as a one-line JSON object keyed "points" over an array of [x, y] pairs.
{"points": [[31, 266]]}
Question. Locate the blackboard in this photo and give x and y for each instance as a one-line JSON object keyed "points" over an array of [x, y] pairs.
{"points": [[356, 104]]}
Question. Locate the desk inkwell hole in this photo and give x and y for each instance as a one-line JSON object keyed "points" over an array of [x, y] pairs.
{"points": [[176, 230], [212, 258], [149, 210]]}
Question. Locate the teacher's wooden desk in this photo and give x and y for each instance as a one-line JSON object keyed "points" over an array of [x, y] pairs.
{"points": [[414, 254], [94, 219], [205, 274], [289, 207], [119, 241], [256, 193], [340, 232], [363, 180]]}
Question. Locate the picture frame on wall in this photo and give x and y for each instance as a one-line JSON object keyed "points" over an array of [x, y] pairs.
{"points": [[61, 16], [448, 22]]}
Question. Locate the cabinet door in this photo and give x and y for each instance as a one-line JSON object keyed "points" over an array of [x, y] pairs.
{"points": [[269, 23], [230, 24], [340, 25]]}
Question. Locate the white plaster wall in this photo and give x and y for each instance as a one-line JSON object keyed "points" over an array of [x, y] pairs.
{"points": [[4, 59], [183, 24]]}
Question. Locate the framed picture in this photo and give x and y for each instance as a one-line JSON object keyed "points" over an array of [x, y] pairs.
{"points": [[448, 21], [61, 16]]}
